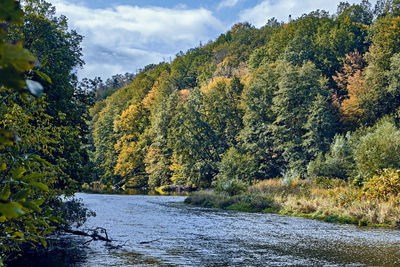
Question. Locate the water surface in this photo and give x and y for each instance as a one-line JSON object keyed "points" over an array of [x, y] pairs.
{"points": [[162, 231]]}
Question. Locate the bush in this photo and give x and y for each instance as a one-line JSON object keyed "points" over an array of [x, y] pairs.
{"points": [[210, 199], [384, 186], [231, 186], [236, 165], [199, 198], [290, 178], [328, 183], [336, 163], [378, 150]]}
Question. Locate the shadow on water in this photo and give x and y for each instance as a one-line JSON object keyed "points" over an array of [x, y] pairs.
{"points": [[63, 252], [162, 231]]}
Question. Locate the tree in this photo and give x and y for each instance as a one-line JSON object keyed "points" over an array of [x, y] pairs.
{"points": [[33, 153], [298, 87], [353, 64], [337, 163], [130, 147], [256, 139], [105, 136], [159, 155], [194, 143], [299, 49], [354, 108], [221, 103], [377, 150], [320, 127]]}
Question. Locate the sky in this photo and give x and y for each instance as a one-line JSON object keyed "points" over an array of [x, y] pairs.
{"points": [[126, 35]]}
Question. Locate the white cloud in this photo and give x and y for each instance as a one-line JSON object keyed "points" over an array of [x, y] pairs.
{"points": [[281, 9], [227, 3], [124, 38]]}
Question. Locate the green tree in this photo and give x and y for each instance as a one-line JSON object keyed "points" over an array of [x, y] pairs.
{"points": [[298, 87], [221, 101], [32, 161], [158, 157], [378, 149], [337, 163], [256, 139], [194, 143], [320, 127]]}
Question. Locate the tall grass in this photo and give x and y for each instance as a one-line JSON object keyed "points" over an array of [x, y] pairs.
{"points": [[330, 200]]}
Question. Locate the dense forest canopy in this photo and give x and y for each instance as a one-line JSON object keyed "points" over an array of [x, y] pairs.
{"points": [[303, 99], [316, 97]]}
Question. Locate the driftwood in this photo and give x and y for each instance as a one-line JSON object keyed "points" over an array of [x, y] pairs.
{"points": [[96, 234], [148, 242], [100, 233]]}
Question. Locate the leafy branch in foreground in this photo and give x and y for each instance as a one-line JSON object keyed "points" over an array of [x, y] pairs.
{"points": [[38, 145]]}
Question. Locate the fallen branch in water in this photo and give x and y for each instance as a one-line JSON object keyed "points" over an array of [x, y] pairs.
{"points": [[147, 242], [95, 234]]}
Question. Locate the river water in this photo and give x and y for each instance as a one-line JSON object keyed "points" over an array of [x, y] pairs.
{"points": [[162, 231]]}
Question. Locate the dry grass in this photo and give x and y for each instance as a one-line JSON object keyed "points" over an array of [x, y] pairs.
{"points": [[346, 203], [327, 199]]}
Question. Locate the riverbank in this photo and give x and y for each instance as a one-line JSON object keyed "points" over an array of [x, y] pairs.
{"points": [[329, 200], [168, 190]]}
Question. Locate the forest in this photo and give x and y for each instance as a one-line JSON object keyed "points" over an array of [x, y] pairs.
{"points": [[316, 97], [300, 118]]}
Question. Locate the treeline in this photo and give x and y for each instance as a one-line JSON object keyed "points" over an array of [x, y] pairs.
{"points": [[43, 129], [318, 96], [104, 89]]}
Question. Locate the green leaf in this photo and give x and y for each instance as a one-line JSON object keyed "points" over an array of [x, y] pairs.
{"points": [[10, 11], [34, 88], [40, 160], [18, 234], [15, 56], [42, 75], [6, 137], [32, 177], [44, 243], [3, 219], [22, 194], [56, 219], [38, 202], [3, 166], [18, 173], [40, 186], [11, 210], [32, 206], [5, 192]]}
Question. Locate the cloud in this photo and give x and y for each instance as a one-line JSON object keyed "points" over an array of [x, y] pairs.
{"points": [[281, 9], [227, 3], [125, 38]]}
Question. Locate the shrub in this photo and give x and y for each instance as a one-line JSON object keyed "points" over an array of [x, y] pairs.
{"points": [[377, 150], [290, 178], [236, 165], [231, 186], [336, 163], [384, 185], [328, 183], [269, 186], [200, 197]]}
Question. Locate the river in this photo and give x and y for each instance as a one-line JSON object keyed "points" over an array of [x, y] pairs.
{"points": [[162, 231]]}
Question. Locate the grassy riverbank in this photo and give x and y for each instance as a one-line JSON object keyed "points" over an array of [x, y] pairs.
{"points": [[329, 200]]}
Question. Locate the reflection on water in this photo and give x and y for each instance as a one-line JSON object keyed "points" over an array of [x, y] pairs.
{"points": [[162, 231]]}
